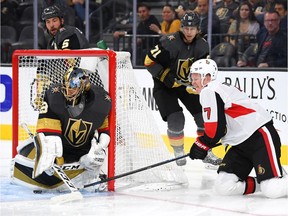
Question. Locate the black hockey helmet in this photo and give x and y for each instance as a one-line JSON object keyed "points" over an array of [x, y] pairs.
{"points": [[51, 11], [75, 83], [190, 18]]}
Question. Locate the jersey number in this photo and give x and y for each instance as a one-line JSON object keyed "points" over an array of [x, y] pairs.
{"points": [[65, 44], [208, 111], [156, 51]]}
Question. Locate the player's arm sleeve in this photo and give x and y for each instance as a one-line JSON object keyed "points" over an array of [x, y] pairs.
{"points": [[214, 117], [202, 49], [48, 122], [104, 128], [157, 60]]}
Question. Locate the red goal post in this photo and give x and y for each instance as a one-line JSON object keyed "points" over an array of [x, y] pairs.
{"points": [[135, 139]]}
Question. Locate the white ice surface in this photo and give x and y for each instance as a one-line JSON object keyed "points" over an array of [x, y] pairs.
{"points": [[198, 199]]}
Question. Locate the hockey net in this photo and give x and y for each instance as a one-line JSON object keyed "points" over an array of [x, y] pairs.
{"points": [[135, 139]]}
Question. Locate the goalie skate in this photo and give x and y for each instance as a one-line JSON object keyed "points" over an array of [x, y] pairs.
{"points": [[211, 161]]}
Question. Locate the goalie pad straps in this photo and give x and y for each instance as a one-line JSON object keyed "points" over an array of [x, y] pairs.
{"points": [[47, 149]]}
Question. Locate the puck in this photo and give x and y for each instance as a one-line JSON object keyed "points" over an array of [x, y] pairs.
{"points": [[37, 191]]}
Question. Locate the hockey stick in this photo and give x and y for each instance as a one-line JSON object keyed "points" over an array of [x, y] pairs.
{"points": [[182, 83], [140, 169], [75, 194]]}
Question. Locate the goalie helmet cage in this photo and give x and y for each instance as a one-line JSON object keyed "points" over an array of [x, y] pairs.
{"points": [[135, 139]]}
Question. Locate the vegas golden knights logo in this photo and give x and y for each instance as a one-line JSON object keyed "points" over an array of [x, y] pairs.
{"points": [[77, 131], [183, 68]]}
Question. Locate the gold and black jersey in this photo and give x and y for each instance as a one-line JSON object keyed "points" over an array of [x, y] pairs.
{"points": [[173, 53], [76, 131]]}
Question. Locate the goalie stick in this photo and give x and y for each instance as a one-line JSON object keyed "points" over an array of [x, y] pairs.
{"points": [[140, 169], [75, 194]]}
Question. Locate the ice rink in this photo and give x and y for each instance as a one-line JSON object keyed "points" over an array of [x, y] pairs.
{"points": [[196, 199]]}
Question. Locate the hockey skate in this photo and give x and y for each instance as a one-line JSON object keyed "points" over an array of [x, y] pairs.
{"points": [[178, 152], [211, 161]]}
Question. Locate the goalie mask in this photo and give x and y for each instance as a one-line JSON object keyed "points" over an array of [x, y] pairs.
{"points": [[75, 84]]}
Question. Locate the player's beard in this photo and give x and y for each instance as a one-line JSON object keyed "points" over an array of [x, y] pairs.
{"points": [[53, 31]]}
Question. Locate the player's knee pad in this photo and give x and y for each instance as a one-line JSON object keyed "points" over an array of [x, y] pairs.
{"points": [[228, 184], [275, 187], [176, 121]]}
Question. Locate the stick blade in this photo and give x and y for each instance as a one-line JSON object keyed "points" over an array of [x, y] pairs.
{"points": [[73, 196]]}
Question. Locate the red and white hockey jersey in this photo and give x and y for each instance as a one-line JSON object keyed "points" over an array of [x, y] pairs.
{"points": [[229, 114]]}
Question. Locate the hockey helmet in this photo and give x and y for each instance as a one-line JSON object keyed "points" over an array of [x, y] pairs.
{"points": [[50, 12], [204, 67], [75, 83], [190, 18]]}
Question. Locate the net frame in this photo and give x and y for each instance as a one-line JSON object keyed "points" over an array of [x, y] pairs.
{"points": [[112, 88]]}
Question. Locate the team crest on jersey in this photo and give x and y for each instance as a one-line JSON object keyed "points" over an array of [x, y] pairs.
{"points": [[183, 68], [77, 131], [55, 89], [260, 170], [171, 37]]}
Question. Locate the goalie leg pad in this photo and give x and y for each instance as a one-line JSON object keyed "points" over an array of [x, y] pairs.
{"points": [[21, 174]]}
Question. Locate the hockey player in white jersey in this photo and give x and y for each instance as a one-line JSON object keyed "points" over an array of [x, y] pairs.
{"points": [[230, 115]]}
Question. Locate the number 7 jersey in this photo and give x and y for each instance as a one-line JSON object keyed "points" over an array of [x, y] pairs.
{"points": [[229, 114]]}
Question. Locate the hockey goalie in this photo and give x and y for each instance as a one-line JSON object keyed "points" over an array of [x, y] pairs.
{"points": [[72, 132]]}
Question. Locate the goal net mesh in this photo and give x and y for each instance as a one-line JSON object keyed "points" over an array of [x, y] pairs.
{"points": [[137, 142]]}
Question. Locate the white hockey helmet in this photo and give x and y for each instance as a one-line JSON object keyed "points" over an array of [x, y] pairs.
{"points": [[204, 67]]}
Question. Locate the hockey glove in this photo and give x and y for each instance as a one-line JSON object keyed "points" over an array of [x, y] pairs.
{"points": [[191, 90], [168, 78], [198, 150], [97, 153]]}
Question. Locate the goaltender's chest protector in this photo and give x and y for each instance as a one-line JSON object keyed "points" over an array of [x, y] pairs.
{"points": [[77, 129]]}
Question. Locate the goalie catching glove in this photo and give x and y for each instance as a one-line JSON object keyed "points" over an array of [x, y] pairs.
{"points": [[97, 153], [198, 150], [47, 149]]}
